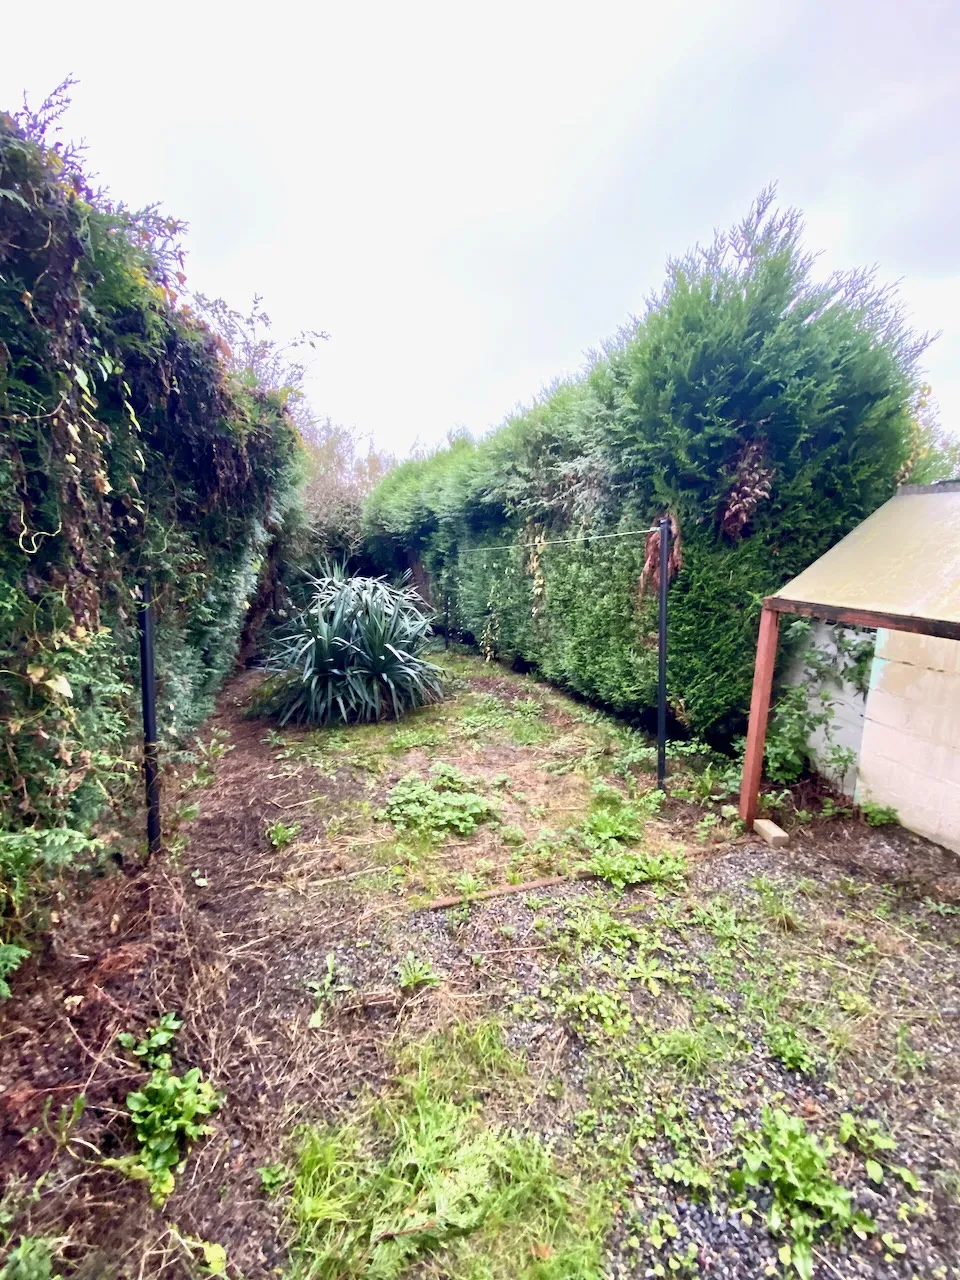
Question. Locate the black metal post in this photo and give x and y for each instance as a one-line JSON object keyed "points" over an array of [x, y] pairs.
{"points": [[446, 620], [662, 668], [148, 689]]}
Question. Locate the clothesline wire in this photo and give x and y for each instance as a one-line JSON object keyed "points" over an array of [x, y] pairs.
{"points": [[556, 542]]}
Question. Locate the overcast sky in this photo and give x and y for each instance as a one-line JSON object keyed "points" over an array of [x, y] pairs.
{"points": [[469, 196]]}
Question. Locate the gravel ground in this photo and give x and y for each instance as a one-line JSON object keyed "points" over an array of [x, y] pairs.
{"points": [[845, 945]]}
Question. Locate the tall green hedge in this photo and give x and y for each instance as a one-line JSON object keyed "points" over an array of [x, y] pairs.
{"points": [[767, 410], [124, 447]]}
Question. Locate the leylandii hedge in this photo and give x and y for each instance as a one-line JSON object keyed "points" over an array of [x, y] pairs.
{"points": [[767, 410], [124, 445]]}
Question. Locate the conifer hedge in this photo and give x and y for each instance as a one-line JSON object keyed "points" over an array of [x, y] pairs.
{"points": [[769, 411]]}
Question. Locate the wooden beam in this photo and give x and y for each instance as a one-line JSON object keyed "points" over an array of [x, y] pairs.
{"points": [[759, 711], [941, 627]]}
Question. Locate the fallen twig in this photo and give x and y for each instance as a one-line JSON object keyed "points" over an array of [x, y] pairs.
{"points": [[509, 951], [501, 890]]}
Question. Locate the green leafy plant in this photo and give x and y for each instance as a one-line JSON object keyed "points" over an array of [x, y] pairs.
{"points": [[650, 973], [355, 653], [707, 827], [154, 1049], [796, 716], [831, 809], [413, 972], [273, 1178], [594, 1012], [325, 991], [692, 1050], [878, 815], [11, 957], [167, 1113], [788, 1162], [790, 1046], [596, 929], [280, 834], [467, 884], [868, 1136], [623, 867], [32, 1258], [438, 805]]}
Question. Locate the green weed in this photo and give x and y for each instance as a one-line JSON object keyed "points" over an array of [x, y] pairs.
{"points": [[281, 835], [614, 818], [596, 929], [273, 1178], [622, 867], [691, 1050], [777, 905], [422, 1180], [467, 884], [412, 972], [325, 991], [878, 815], [11, 958], [593, 1012], [464, 1059], [419, 736], [721, 919], [32, 1258], [166, 1114], [790, 1046], [436, 806], [789, 1163]]}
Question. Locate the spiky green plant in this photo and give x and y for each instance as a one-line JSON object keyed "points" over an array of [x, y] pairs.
{"points": [[355, 653]]}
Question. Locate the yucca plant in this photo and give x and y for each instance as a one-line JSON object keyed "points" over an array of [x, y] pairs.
{"points": [[354, 653]]}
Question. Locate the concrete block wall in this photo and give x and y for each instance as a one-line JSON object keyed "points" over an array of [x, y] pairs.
{"points": [[849, 704], [910, 743]]}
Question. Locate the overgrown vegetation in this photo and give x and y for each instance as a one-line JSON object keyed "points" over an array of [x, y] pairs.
{"points": [[126, 447], [422, 1178], [706, 1060], [435, 806], [767, 411]]}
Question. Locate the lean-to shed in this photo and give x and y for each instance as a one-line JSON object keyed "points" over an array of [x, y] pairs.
{"points": [[898, 572]]}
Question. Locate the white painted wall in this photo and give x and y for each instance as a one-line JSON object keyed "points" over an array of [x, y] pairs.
{"points": [[906, 731], [846, 728], [910, 745]]}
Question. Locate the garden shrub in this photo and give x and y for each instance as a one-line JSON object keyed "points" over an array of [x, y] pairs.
{"points": [[767, 411], [125, 446], [354, 653]]}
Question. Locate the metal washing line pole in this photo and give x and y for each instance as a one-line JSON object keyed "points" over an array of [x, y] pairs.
{"points": [[148, 696]]}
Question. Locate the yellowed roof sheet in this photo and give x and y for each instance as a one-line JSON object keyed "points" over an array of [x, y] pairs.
{"points": [[904, 559]]}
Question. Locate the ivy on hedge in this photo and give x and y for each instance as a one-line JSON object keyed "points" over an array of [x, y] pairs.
{"points": [[124, 446], [769, 411]]}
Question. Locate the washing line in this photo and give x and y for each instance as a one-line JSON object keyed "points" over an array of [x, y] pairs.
{"points": [[556, 542]]}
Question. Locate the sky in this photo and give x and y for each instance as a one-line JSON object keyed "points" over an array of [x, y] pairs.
{"points": [[469, 197]]}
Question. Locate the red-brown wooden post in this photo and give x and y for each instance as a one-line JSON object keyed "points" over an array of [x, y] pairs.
{"points": [[759, 711]]}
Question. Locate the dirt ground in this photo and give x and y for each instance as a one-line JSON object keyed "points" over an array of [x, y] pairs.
{"points": [[640, 1040]]}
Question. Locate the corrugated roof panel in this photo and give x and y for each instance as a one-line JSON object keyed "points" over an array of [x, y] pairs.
{"points": [[904, 559]]}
